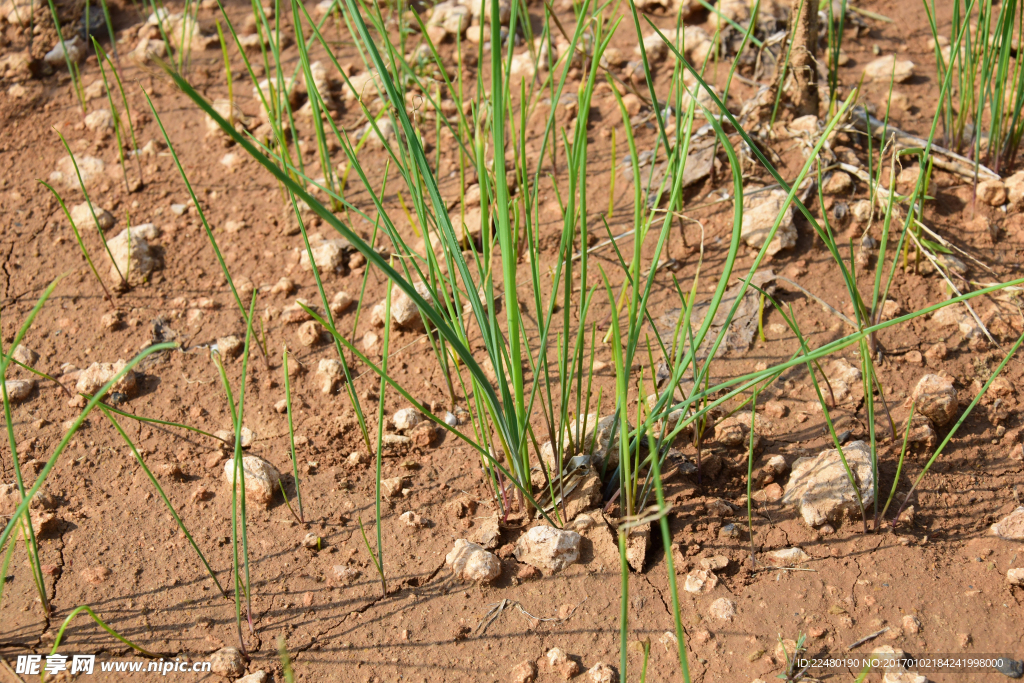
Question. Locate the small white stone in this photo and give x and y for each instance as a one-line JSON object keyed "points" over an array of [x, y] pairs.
{"points": [[345, 575], [230, 346], [406, 419], [68, 50], [96, 375], [283, 286], [884, 68], [231, 161], [722, 609], [261, 479], [786, 557], [19, 389], [583, 522], [90, 168], [82, 216], [330, 373], [99, 120], [1011, 527], [602, 673], [411, 519], [340, 303], [404, 311], [133, 256], [392, 487], [776, 465], [309, 333], [227, 662], [25, 355], [699, 581], [470, 562]]}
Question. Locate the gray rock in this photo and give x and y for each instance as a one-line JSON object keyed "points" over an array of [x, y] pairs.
{"points": [[1011, 527], [487, 533], [70, 49], [548, 548], [759, 214], [819, 488], [935, 397], [729, 532]]}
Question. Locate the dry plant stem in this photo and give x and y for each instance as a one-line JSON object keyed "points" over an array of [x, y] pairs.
{"points": [[291, 431], [804, 58], [955, 163]]}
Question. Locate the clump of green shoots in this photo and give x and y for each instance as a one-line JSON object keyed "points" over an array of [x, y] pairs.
{"points": [[983, 114], [540, 381]]}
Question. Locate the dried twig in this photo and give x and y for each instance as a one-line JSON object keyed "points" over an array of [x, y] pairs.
{"points": [[870, 636], [495, 610]]}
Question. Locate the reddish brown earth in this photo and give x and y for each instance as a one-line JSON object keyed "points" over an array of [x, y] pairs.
{"points": [[943, 567]]}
